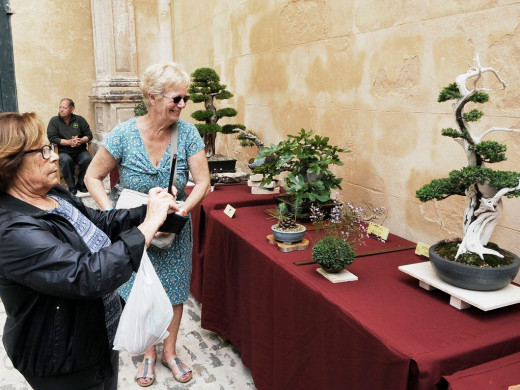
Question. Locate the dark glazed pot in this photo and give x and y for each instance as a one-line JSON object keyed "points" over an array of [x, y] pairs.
{"points": [[471, 277]]}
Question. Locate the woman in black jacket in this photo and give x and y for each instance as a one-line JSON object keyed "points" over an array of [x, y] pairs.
{"points": [[61, 264]]}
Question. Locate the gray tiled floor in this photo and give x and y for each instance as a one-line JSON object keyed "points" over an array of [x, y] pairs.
{"points": [[216, 364]]}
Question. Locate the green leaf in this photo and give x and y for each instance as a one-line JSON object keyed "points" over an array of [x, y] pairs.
{"points": [[202, 115], [449, 132], [473, 115], [210, 128], [479, 97], [227, 112], [490, 151], [450, 92]]}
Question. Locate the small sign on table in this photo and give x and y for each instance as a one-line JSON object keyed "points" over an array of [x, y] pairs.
{"points": [[230, 211], [422, 249], [378, 231]]}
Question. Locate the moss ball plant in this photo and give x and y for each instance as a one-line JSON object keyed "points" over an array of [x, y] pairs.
{"points": [[333, 253]]}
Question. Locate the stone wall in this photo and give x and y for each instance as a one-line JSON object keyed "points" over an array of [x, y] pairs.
{"points": [[54, 55], [366, 73]]}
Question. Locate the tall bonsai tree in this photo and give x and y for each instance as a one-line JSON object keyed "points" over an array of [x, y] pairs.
{"points": [[206, 87], [483, 186]]}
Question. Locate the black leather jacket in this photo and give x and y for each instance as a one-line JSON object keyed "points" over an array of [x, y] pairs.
{"points": [[52, 285]]}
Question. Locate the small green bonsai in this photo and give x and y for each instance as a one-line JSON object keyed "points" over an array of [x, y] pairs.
{"points": [[140, 109], [206, 87], [307, 161], [286, 220], [333, 253], [483, 186]]}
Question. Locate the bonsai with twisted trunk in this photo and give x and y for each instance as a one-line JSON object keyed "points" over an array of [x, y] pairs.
{"points": [[483, 186]]}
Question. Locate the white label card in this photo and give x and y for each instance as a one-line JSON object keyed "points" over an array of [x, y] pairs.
{"points": [[422, 249], [378, 230], [229, 211]]}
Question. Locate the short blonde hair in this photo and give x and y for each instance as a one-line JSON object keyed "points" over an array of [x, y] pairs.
{"points": [[160, 77], [18, 133]]}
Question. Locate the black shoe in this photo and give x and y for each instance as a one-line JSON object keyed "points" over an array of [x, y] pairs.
{"points": [[82, 188], [73, 191]]}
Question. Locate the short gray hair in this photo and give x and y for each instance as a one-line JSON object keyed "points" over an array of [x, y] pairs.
{"points": [[159, 77]]}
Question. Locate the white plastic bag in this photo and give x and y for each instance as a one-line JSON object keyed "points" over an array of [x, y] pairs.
{"points": [[147, 313], [130, 198]]}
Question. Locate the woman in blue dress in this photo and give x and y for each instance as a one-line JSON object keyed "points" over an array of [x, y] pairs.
{"points": [[140, 148]]}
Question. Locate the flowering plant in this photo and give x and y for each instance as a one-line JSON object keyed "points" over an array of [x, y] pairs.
{"points": [[345, 227], [346, 221]]}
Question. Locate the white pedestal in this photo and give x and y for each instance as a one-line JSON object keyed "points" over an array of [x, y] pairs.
{"points": [[462, 298], [338, 277]]}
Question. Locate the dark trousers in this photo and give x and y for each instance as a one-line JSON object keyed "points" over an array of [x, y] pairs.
{"points": [[74, 382], [67, 166], [110, 383]]}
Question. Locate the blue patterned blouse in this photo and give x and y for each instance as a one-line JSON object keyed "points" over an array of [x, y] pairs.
{"points": [[124, 143]]}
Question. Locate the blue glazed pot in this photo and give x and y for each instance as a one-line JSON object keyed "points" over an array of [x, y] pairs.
{"points": [[288, 237], [471, 277]]}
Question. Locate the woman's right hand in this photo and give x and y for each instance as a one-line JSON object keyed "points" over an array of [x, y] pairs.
{"points": [[160, 204]]}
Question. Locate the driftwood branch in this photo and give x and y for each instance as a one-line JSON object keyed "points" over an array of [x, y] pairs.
{"points": [[258, 142], [479, 232], [481, 136]]}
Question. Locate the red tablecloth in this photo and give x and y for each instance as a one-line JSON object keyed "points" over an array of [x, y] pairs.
{"points": [[495, 375], [237, 195], [297, 330]]}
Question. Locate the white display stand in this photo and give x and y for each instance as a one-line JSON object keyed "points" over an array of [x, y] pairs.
{"points": [[462, 298], [338, 277]]}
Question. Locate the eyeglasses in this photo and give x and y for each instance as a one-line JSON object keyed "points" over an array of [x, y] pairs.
{"points": [[45, 150], [177, 99]]}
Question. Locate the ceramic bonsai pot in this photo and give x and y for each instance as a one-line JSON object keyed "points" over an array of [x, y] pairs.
{"points": [[288, 237], [471, 277], [222, 166]]}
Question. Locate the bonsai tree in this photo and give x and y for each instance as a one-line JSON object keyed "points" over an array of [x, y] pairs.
{"points": [[484, 187], [333, 253], [306, 159], [286, 220], [140, 109], [206, 87]]}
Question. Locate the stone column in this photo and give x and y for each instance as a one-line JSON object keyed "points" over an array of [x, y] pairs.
{"points": [[165, 47], [116, 89]]}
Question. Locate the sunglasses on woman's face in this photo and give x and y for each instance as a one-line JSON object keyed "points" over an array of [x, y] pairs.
{"points": [[177, 99], [46, 151]]}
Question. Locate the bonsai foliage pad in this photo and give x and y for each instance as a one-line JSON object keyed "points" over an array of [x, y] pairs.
{"points": [[462, 298], [296, 246]]}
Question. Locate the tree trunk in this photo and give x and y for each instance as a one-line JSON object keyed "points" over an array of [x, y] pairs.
{"points": [[209, 141]]}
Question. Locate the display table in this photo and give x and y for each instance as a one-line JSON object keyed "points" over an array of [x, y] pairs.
{"points": [[498, 374], [296, 330], [237, 195]]}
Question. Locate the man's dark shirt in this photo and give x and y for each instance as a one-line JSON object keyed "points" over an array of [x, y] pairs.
{"points": [[58, 129]]}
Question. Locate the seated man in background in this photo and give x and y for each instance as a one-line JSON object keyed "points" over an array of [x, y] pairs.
{"points": [[71, 133]]}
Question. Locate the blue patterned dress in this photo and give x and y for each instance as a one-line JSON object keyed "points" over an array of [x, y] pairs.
{"points": [[124, 143]]}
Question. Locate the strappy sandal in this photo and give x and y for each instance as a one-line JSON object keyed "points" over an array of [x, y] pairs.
{"points": [[177, 362], [146, 375]]}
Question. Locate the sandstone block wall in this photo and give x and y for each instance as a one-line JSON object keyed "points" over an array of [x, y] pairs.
{"points": [[366, 73]]}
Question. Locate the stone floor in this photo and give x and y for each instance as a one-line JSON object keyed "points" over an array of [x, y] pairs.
{"points": [[216, 363]]}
